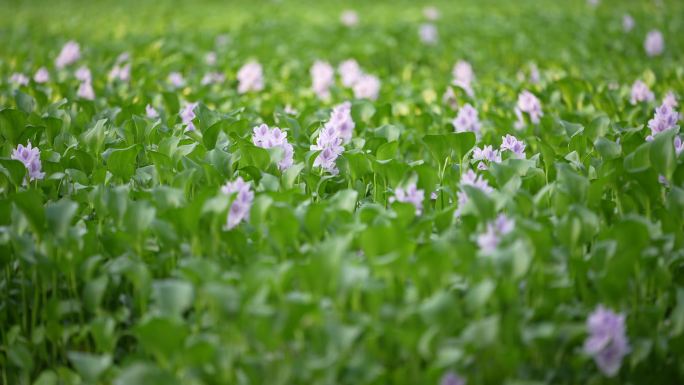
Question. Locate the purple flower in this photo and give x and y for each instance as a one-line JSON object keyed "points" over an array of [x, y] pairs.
{"points": [[665, 118], [336, 131], [83, 74], [449, 98], [428, 33], [511, 143], [41, 76], [607, 340], [265, 137], [123, 57], [467, 120], [322, 78], [368, 87], [487, 153], [670, 99], [176, 79], [290, 110], [535, 77], [239, 209], [85, 91], [349, 18], [120, 72], [30, 157], [490, 239], [187, 114], [451, 378], [627, 22], [678, 145], [250, 77], [431, 13], [213, 78], [150, 112], [326, 160], [530, 104], [641, 93], [70, 53], [19, 79], [470, 178], [654, 43], [350, 72], [411, 194], [463, 76], [341, 120], [210, 58]]}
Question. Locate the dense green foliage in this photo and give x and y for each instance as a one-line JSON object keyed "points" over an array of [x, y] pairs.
{"points": [[117, 267]]}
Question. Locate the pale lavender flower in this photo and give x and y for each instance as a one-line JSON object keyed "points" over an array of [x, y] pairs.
{"points": [[641, 93], [41, 76], [467, 120], [350, 72], [250, 77], [150, 112], [678, 145], [665, 118], [607, 341], [239, 209], [341, 121], [213, 78], [428, 34], [265, 137], [326, 160], [120, 72], [451, 378], [433, 195], [463, 76], [411, 194], [30, 157], [322, 78], [627, 22], [210, 58], [449, 98], [535, 77], [19, 79], [670, 99], [85, 91], [530, 104], [222, 40], [431, 13], [367, 87], [512, 144], [290, 110], [123, 57], [487, 153], [662, 180], [490, 239], [593, 3], [654, 43], [187, 114], [69, 54], [176, 79], [349, 18], [470, 178], [83, 74]]}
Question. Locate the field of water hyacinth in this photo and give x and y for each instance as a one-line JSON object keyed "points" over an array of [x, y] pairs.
{"points": [[288, 192]]}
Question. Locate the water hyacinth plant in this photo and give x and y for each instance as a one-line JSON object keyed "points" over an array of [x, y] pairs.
{"points": [[373, 192]]}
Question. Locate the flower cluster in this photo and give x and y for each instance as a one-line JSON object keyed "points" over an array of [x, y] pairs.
{"points": [[176, 79], [121, 71], [349, 18], [187, 114], [334, 134], [210, 58], [665, 118], [411, 194], [512, 144], [641, 93], [350, 72], [529, 104], [214, 77], [467, 120], [322, 78], [244, 196], [250, 77], [41, 76], [265, 137], [364, 85], [452, 378], [470, 178], [486, 153], [463, 76], [30, 157], [69, 54], [627, 22], [150, 112], [428, 33], [19, 79], [670, 100], [490, 239], [654, 43], [431, 13], [607, 340]]}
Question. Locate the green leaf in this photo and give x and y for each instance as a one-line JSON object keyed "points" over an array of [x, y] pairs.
{"points": [[172, 297], [662, 154], [90, 366], [122, 161]]}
